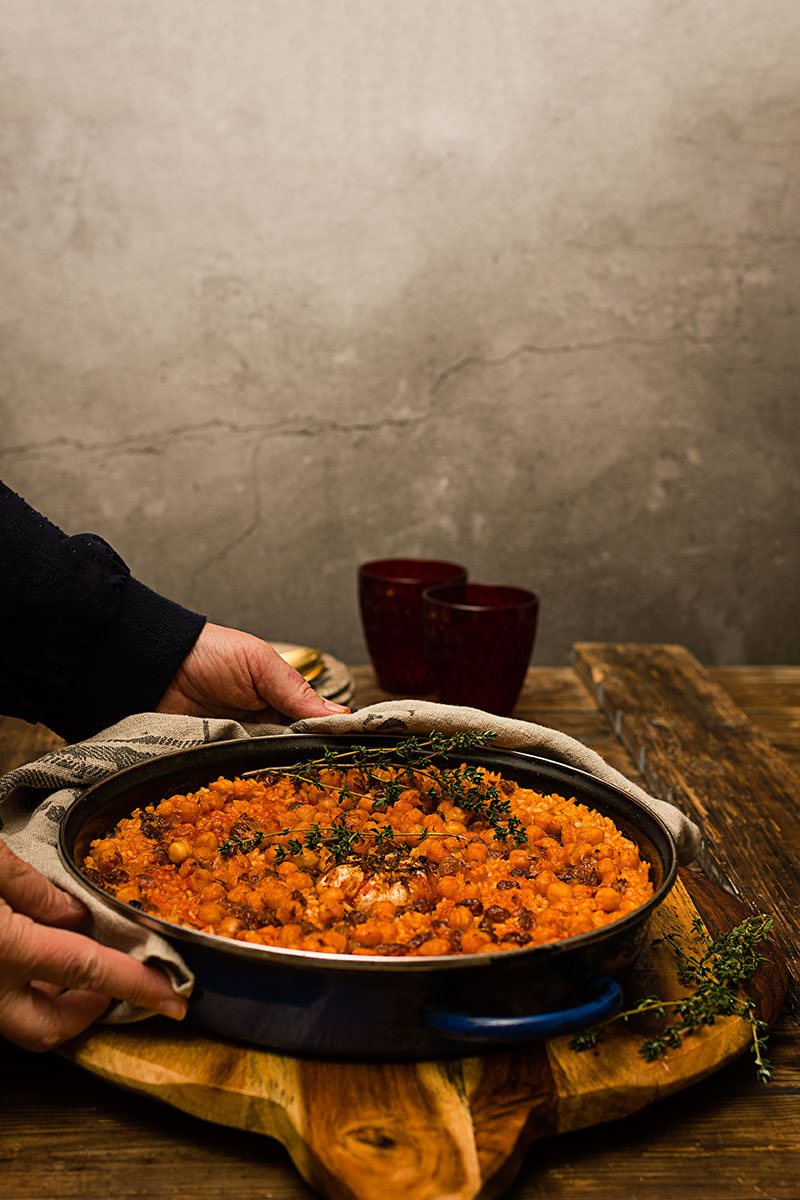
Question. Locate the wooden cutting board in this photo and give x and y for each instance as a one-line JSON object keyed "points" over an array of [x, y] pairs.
{"points": [[445, 1130]]}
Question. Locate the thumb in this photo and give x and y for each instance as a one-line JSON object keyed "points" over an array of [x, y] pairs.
{"points": [[280, 686], [26, 891]]}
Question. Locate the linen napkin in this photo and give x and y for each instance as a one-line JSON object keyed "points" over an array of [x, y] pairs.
{"points": [[35, 797]]}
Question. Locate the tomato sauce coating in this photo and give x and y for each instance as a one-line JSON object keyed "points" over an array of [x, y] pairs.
{"points": [[256, 860]]}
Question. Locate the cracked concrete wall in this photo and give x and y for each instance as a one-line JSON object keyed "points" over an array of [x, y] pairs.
{"points": [[287, 286]]}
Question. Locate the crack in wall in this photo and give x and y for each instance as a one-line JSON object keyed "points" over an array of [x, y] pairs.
{"points": [[159, 442], [479, 360]]}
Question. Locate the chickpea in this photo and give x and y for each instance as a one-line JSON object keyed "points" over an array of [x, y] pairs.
{"points": [[178, 851], [434, 850], [543, 880], [330, 911], [476, 852], [368, 934], [289, 911], [592, 834], [129, 892], [608, 899], [206, 845], [212, 891], [200, 879], [383, 910], [558, 890], [308, 859], [460, 918], [433, 823], [210, 914], [413, 835], [606, 869], [188, 810], [290, 936], [455, 827], [229, 927], [435, 945], [474, 941], [273, 892], [334, 939], [448, 887], [459, 814]]}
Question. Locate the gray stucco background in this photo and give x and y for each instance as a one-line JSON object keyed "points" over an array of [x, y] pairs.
{"points": [[290, 285]]}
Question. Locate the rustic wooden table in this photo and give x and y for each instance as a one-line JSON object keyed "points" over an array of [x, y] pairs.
{"points": [[724, 744]]}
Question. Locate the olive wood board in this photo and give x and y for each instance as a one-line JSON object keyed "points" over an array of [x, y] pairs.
{"points": [[452, 1128]]}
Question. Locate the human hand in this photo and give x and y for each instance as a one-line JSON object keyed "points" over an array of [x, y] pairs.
{"points": [[55, 982], [228, 673]]}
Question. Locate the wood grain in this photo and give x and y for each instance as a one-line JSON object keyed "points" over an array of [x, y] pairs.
{"points": [[697, 748], [66, 1133], [455, 1128]]}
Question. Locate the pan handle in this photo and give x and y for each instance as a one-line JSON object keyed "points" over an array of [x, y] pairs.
{"points": [[463, 1027]]}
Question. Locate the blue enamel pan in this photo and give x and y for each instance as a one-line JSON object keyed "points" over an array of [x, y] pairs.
{"points": [[349, 1006]]}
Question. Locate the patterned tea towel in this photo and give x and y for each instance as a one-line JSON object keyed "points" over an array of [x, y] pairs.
{"points": [[35, 797]]}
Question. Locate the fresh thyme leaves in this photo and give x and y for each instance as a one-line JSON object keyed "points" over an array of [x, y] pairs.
{"points": [[244, 844], [405, 763], [715, 972]]}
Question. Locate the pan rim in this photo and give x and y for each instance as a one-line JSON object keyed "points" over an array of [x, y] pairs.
{"points": [[373, 964]]}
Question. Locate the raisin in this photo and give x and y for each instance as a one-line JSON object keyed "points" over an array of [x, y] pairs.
{"points": [[422, 905], [416, 941], [495, 913], [505, 884], [153, 826], [507, 786], [517, 936], [244, 913], [474, 905], [392, 948], [243, 829], [450, 866], [526, 919]]}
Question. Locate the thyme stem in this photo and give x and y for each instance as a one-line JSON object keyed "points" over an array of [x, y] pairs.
{"points": [[717, 973]]}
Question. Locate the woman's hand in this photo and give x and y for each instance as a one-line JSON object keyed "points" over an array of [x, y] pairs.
{"points": [[54, 982], [228, 673]]}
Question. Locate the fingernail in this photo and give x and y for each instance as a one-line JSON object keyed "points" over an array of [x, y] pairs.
{"points": [[173, 1008], [335, 708]]}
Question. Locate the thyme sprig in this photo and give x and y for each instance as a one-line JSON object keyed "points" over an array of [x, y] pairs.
{"points": [[385, 773], [715, 972]]}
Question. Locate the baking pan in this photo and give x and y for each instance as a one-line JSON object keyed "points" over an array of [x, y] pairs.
{"points": [[353, 1006]]}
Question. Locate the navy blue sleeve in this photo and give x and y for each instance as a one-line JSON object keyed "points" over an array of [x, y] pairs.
{"points": [[82, 643]]}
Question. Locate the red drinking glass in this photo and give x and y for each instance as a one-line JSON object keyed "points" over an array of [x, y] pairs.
{"points": [[479, 639], [390, 596]]}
